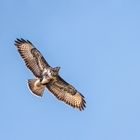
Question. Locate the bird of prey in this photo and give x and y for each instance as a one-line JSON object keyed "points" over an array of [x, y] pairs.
{"points": [[47, 76]]}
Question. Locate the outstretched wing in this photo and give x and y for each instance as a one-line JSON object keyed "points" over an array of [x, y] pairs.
{"points": [[32, 57], [67, 93]]}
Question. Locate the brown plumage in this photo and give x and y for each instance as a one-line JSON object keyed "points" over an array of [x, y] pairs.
{"points": [[48, 77]]}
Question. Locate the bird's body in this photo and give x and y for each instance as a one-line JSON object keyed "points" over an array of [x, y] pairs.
{"points": [[47, 77]]}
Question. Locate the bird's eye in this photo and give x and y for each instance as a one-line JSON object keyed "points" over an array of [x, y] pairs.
{"points": [[52, 73]]}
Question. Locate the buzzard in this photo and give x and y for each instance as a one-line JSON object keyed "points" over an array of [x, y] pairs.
{"points": [[47, 76]]}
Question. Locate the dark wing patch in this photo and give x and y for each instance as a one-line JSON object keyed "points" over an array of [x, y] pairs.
{"points": [[32, 57], [67, 93]]}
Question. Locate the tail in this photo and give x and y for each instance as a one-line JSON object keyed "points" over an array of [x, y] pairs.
{"points": [[36, 87]]}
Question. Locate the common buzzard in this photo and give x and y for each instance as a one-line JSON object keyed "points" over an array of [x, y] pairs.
{"points": [[48, 77]]}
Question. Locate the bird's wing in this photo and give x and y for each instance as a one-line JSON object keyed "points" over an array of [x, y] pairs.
{"points": [[32, 57], [67, 93]]}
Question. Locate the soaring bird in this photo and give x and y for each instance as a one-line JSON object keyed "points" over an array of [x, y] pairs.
{"points": [[47, 76]]}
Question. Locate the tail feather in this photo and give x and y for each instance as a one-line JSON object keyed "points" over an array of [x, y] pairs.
{"points": [[36, 87]]}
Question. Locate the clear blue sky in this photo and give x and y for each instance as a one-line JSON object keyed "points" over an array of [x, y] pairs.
{"points": [[97, 45]]}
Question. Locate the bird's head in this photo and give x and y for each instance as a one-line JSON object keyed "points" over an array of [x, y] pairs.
{"points": [[49, 74], [55, 71]]}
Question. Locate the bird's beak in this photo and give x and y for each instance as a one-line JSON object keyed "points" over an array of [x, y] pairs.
{"points": [[57, 69]]}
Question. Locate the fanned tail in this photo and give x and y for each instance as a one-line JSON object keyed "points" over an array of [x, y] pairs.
{"points": [[36, 87]]}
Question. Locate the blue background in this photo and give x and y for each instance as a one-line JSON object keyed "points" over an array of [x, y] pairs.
{"points": [[97, 45]]}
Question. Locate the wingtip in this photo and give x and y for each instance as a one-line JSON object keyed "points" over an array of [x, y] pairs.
{"points": [[18, 41], [21, 41], [82, 108], [83, 103]]}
